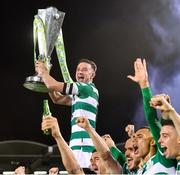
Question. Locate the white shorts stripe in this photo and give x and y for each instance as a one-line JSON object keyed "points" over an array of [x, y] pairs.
{"points": [[83, 158]]}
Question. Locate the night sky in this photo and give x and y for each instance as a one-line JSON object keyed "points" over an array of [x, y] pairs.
{"points": [[113, 33]]}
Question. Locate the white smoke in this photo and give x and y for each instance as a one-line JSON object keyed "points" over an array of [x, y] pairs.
{"points": [[175, 7], [164, 66], [165, 76], [169, 86]]}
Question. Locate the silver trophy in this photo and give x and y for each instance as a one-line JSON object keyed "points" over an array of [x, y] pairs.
{"points": [[47, 26]]}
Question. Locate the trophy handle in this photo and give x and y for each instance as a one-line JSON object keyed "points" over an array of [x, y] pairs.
{"points": [[35, 83]]}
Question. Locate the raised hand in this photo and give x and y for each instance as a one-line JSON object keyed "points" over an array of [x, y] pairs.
{"points": [[20, 170], [50, 122], [162, 103], [108, 140], [83, 122], [54, 171], [140, 73], [41, 68], [130, 130]]}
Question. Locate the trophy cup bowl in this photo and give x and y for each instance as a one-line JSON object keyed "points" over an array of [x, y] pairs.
{"points": [[35, 83], [47, 25]]}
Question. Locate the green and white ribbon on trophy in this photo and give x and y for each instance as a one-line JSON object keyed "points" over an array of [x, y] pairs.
{"points": [[60, 50], [39, 33], [47, 32]]}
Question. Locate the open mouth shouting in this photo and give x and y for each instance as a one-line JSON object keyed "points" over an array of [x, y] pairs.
{"points": [[165, 153], [129, 161], [135, 149], [80, 78]]}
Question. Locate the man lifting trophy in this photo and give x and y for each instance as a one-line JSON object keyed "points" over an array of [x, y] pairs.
{"points": [[81, 95], [46, 31]]}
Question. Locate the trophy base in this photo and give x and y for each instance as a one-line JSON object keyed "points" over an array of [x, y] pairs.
{"points": [[36, 84]]}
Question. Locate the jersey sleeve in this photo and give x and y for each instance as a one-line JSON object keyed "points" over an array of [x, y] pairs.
{"points": [[70, 89], [118, 155], [151, 115], [77, 88]]}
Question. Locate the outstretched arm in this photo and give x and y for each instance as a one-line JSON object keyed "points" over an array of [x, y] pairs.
{"points": [[116, 153], [141, 77], [68, 158], [101, 147]]}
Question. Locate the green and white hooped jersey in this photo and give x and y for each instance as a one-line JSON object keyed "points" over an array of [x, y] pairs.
{"points": [[158, 164], [126, 170], [178, 168], [84, 103]]}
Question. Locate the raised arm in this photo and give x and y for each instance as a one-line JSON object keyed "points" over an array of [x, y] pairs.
{"points": [[60, 99], [49, 81], [55, 87], [116, 153], [141, 77], [161, 102], [68, 159], [101, 147]]}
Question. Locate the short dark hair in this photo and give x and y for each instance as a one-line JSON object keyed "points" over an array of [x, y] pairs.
{"points": [[92, 63], [167, 122], [144, 127], [88, 171]]}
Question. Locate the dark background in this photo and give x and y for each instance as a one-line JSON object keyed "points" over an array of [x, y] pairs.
{"points": [[113, 33]]}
